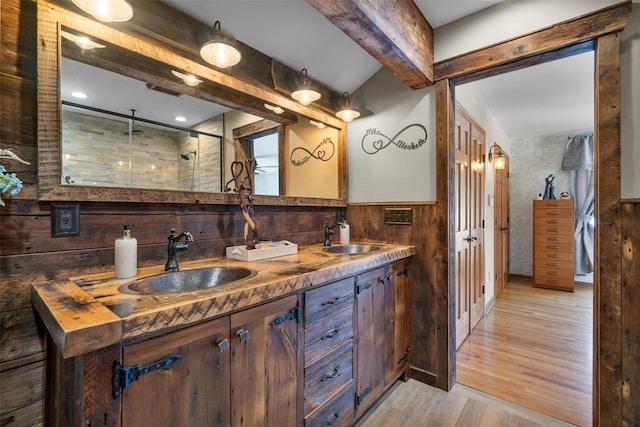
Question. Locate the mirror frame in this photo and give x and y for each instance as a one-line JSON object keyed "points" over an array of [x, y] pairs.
{"points": [[51, 18]]}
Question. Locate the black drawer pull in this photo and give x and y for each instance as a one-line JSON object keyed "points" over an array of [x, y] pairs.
{"points": [[331, 301], [331, 374], [330, 334], [331, 421]]}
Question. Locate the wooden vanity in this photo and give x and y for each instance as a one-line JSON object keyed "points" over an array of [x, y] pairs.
{"points": [[310, 339]]}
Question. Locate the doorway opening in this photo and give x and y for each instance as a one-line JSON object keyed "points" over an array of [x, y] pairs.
{"points": [[537, 151]]}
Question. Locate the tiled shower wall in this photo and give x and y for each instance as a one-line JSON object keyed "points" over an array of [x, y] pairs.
{"points": [[532, 160], [97, 151]]}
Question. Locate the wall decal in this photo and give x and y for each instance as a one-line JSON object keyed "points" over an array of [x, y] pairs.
{"points": [[324, 151], [374, 141]]}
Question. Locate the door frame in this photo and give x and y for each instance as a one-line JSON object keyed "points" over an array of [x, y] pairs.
{"points": [[503, 173], [600, 32]]}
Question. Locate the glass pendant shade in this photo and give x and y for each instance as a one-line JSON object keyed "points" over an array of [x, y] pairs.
{"points": [[303, 93], [220, 49], [106, 10], [347, 112]]}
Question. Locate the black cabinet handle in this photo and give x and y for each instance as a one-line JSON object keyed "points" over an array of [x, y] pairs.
{"points": [[331, 374], [330, 334]]}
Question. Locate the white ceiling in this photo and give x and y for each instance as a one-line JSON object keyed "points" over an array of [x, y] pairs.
{"points": [[297, 35]]}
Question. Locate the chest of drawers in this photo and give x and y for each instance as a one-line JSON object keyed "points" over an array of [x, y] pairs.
{"points": [[553, 224]]}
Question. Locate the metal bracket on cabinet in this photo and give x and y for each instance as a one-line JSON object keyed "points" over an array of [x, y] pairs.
{"points": [[125, 375]]}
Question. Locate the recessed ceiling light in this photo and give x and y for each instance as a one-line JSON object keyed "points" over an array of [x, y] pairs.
{"points": [[276, 109], [188, 79], [82, 41], [181, 119], [319, 125], [78, 94]]}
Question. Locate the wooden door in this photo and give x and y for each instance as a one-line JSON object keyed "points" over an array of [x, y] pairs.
{"points": [[475, 199], [469, 223], [462, 226], [501, 228], [264, 372], [194, 390]]}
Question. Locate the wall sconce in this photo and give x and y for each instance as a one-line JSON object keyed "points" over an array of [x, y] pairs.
{"points": [[188, 79], [498, 156], [106, 10], [345, 111], [82, 42], [302, 91], [219, 49]]}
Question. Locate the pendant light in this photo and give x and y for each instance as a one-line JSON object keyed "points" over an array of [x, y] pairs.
{"points": [[220, 49], [346, 111], [302, 91], [188, 79], [106, 10]]}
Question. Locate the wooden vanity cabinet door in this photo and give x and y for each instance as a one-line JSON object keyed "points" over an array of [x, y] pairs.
{"points": [[370, 338], [193, 391], [396, 321], [265, 371]]}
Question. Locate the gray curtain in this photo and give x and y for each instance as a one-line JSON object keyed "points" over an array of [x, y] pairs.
{"points": [[578, 158]]}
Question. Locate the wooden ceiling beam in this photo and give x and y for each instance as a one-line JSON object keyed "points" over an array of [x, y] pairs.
{"points": [[393, 31]]}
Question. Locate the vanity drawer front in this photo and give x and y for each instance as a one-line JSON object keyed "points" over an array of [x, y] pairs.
{"points": [[327, 301], [328, 374], [322, 337], [337, 412]]}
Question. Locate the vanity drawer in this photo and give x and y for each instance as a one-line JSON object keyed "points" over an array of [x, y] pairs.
{"points": [[328, 374], [327, 301], [337, 412], [322, 337]]}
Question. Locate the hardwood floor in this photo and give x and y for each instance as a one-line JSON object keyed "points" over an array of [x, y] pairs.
{"points": [[414, 404], [534, 348]]}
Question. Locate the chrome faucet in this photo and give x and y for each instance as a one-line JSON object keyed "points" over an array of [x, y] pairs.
{"points": [[174, 246], [328, 232]]}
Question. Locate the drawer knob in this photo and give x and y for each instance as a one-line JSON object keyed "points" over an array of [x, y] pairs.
{"points": [[330, 334], [331, 301], [331, 421], [244, 335]]}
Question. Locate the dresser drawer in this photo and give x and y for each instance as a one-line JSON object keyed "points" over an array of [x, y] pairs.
{"points": [[326, 301], [554, 255], [554, 222], [328, 374], [554, 230], [322, 337], [561, 283], [553, 204], [554, 264], [337, 412], [547, 243], [551, 273]]}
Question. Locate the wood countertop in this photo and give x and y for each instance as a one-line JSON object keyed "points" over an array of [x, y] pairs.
{"points": [[86, 313]]}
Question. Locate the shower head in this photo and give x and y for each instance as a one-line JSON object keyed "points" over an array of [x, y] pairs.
{"points": [[186, 155], [133, 130]]}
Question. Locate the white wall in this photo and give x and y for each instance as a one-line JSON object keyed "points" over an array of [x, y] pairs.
{"points": [[630, 69], [394, 173], [516, 17], [470, 100]]}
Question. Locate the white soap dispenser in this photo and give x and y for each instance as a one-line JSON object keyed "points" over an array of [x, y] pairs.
{"points": [[344, 232], [126, 259]]}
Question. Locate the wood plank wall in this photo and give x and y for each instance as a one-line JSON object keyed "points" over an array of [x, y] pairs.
{"points": [[367, 223], [28, 253]]}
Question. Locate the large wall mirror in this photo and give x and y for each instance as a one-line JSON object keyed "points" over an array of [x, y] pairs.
{"points": [[118, 124]]}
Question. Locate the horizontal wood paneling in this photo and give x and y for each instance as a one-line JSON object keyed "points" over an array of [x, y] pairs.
{"points": [[367, 224]]}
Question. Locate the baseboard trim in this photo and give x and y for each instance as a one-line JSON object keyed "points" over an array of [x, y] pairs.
{"points": [[490, 304], [423, 376]]}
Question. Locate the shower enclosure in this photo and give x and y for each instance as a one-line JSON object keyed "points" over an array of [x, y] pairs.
{"points": [[105, 148]]}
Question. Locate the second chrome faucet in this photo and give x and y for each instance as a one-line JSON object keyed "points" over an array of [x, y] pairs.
{"points": [[174, 246]]}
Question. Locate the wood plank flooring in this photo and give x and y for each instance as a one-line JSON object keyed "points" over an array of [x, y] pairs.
{"points": [[414, 404], [535, 349]]}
